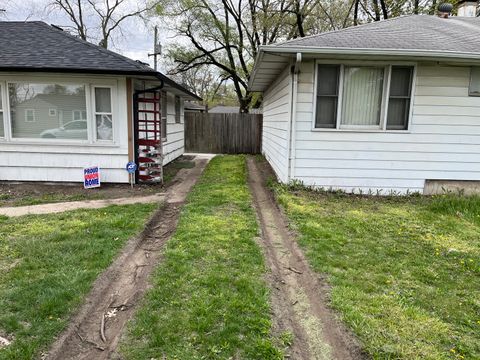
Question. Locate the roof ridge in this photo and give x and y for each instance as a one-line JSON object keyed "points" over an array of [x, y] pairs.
{"points": [[349, 28], [96, 47]]}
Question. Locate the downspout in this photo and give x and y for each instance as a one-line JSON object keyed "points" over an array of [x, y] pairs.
{"points": [[293, 117]]}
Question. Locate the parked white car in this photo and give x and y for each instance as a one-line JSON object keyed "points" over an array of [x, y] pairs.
{"points": [[77, 129]]}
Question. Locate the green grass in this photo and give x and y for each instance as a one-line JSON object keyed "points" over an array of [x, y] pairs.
{"points": [[48, 264], [404, 271], [171, 169], [209, 299]]}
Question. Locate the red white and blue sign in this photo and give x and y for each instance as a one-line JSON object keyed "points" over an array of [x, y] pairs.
{"points": [[91, 177]]}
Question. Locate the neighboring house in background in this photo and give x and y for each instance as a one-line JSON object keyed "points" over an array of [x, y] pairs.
{"points": [[194, 107], [66, 104], [390, 106], [221, 109]]}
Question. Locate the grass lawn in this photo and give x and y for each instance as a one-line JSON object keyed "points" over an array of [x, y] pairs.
{"points": [[405, 272], [48, 264], [209, 299]]}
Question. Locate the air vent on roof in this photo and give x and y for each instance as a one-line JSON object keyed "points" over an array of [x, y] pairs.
{"points": [[444, 10]]}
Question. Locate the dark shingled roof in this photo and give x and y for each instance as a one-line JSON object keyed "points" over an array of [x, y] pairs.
{"points": [[414, 32], [34, 44], [37, 46]]}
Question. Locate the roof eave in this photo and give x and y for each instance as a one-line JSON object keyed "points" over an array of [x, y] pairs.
{"points": [[426, 55], [133, 73], [370, 51]]}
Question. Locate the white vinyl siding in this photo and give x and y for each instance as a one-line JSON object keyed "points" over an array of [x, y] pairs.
{"points": [[442, 142], [36, 160], [174, 145], [276, 121]]}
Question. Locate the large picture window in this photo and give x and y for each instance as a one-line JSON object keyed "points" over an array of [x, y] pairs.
{"points": [[31, 115], [356, 97]]}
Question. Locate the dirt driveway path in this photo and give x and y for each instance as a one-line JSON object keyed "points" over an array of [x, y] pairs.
{"points": [[74, 205], [299, 297], [96, 329]]}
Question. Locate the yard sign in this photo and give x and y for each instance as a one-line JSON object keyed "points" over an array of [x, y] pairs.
{"points": [[91, 177]]}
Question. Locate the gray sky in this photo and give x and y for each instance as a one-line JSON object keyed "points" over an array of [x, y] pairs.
{"points": [[135, 39]]}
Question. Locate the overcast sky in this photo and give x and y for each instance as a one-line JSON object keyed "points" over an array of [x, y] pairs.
{"points": [[135, 40]]}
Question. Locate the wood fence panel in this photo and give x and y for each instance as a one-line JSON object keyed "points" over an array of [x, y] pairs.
{"points": [[223, 133]]}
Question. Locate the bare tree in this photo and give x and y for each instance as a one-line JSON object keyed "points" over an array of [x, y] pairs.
{"points": [[105, 16]]}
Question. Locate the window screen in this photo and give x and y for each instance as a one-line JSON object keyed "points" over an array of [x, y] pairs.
{"points": [[362, 96], [399, 100], [327, 96], [30, 106], [474, 89]]}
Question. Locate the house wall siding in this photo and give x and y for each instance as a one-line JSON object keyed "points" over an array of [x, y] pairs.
{"points": [[174, 146], [31, 160], [26, 160], [276, 122], [443, 141]]}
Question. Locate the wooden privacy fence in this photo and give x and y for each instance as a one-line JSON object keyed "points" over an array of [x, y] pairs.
{"points": [[223, 133]]}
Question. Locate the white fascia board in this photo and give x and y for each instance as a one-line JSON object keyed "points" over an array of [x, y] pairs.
{"points": [[429, 54]]}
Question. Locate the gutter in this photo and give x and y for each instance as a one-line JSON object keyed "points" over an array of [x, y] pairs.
{"points": [[370, 51], [293, 117]]}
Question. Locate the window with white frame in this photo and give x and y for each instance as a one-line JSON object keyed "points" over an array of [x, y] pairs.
{"points": [[30, 105], [356, 97], [30, 115], [474, 89], [103, 113], [2, 124], [163, 109], [79, 115]]}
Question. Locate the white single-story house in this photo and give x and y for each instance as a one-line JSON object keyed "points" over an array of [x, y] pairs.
{"points": [[390, 106], [66, 104]]}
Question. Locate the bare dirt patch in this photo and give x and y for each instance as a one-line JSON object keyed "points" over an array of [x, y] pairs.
{"points": [[96, 329], [299, 296], [30, 193]]}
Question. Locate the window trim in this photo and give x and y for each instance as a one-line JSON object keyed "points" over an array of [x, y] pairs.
{"points": [[93, 122], [44, 78], [385, 96], [33, 115]]}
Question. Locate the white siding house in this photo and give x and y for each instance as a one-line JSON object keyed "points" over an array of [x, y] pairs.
{"points": [[59, 115], [360, 144]]}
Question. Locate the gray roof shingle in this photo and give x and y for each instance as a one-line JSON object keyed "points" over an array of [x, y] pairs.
{"points": [[414, 32], [36, 45]]}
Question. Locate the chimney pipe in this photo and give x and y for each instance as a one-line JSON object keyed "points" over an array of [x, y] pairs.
{"points": [[444, 10]]}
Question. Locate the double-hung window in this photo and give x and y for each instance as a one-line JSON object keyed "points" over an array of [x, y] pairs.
{"points": [[103, 113], [357, 97]]}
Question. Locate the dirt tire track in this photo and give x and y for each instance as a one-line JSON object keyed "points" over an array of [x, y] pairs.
{"points": [[299, 297], [119, 288]]}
